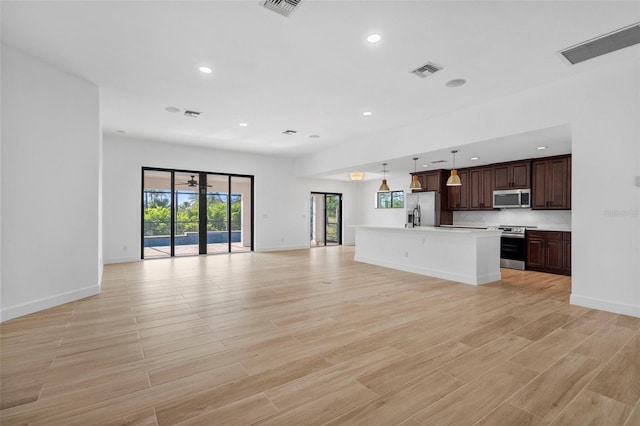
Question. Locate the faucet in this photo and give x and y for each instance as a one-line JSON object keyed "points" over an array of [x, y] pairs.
{"points": [[416, 215]]}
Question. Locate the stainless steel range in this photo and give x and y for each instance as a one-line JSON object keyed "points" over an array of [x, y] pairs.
{"points": [[513, 248]]}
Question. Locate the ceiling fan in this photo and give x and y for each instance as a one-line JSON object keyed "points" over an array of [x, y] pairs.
{"points": [[192, 182]]}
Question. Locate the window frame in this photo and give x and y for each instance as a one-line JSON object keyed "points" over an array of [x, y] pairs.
{"points": [[392, 200]]}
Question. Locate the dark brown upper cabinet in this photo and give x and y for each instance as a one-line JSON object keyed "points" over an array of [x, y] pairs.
{"points": [[481, 188], [514, 175], [429, 181], [458, 196], [551, 183]]}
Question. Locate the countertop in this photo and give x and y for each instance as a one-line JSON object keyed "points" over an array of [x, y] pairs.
{"points": [[562, 228], [436, 229], [552, 228]]}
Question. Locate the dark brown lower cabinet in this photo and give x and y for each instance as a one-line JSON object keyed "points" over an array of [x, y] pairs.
{"points": [[566, 249], [549, 251]]}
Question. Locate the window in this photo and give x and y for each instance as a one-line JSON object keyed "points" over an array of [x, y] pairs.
{"points": [[390, 200]]}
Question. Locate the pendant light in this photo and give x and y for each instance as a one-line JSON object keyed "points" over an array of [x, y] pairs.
{"points": [[454, 179], [415, 183], [384, 187]]}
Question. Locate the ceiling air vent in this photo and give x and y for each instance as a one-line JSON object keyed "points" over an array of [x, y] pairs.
{"points": [[194, 114], [604, 44], [438, 161], [290, 132], [426, 70], [283, 7]]}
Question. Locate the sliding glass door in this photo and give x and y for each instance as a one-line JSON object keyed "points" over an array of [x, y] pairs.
{"points": [[325, 219], [190, 212]]}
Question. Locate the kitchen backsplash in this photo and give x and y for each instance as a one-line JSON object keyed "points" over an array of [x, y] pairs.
{"points": [[544, 219]]}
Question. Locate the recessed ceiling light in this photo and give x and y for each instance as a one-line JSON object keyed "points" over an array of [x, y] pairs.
{"points": [[425, 165], [457, 82], [205, 70], [367, 113], [172, 109], [243, 124], [314, 136], [475, 158], [541, 147], [374, 38]]}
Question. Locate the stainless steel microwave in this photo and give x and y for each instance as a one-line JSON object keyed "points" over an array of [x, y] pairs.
{"points": [[512, 199]]}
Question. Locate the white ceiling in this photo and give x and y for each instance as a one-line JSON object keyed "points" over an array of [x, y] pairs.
{"points": [[313, 71], [555, 140]]}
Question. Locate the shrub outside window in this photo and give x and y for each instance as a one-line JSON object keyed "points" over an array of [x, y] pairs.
{"points": [[390, 200]]}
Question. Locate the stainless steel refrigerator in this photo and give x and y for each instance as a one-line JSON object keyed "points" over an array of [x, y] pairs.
{"points": [[423, 209]]}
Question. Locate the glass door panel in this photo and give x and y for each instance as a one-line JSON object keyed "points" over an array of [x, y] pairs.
{"points": [[156, 214], [316, 216], [217, 212], [241, 213], [332, 218], [186, 214]]}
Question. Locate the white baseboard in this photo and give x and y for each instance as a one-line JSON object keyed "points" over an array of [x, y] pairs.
{"points": [[280, 248], [121, 259], [605, 305], [27, 308]]}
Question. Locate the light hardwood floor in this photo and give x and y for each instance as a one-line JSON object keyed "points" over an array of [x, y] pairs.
{"points": [[312, 337]]}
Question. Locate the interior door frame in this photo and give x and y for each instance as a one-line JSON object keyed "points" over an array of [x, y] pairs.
{"points": [[202, 212], [339, 224]]}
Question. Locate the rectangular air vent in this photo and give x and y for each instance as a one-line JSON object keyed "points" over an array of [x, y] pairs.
{"points": [[289, 132], [194, 114], [604, 44], [283, 7], [438, 161], [426, 70]]}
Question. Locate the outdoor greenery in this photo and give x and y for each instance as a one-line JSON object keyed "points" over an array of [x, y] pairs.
{"points": [[332, 206], [390, 200], [157, 212]]}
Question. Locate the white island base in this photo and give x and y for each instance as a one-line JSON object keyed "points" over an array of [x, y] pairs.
{"points": [[470, 256]]}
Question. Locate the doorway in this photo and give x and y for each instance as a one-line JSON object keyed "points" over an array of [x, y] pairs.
{"points": [[186, 213], [325, 219]]}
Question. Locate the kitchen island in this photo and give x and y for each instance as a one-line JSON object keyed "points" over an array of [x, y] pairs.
{"points": [[470, 256]]}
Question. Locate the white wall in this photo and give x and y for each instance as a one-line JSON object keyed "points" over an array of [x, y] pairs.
{"points": [[281, 200], [602, 108], [382, 217], [50, 186]]}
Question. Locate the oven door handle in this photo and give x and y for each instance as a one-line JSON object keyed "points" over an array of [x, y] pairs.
{"points": [[509, 249], [513, 236]]}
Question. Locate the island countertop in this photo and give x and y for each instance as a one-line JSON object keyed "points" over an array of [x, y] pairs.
{"points": [[447, 229], [470, 256]]}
